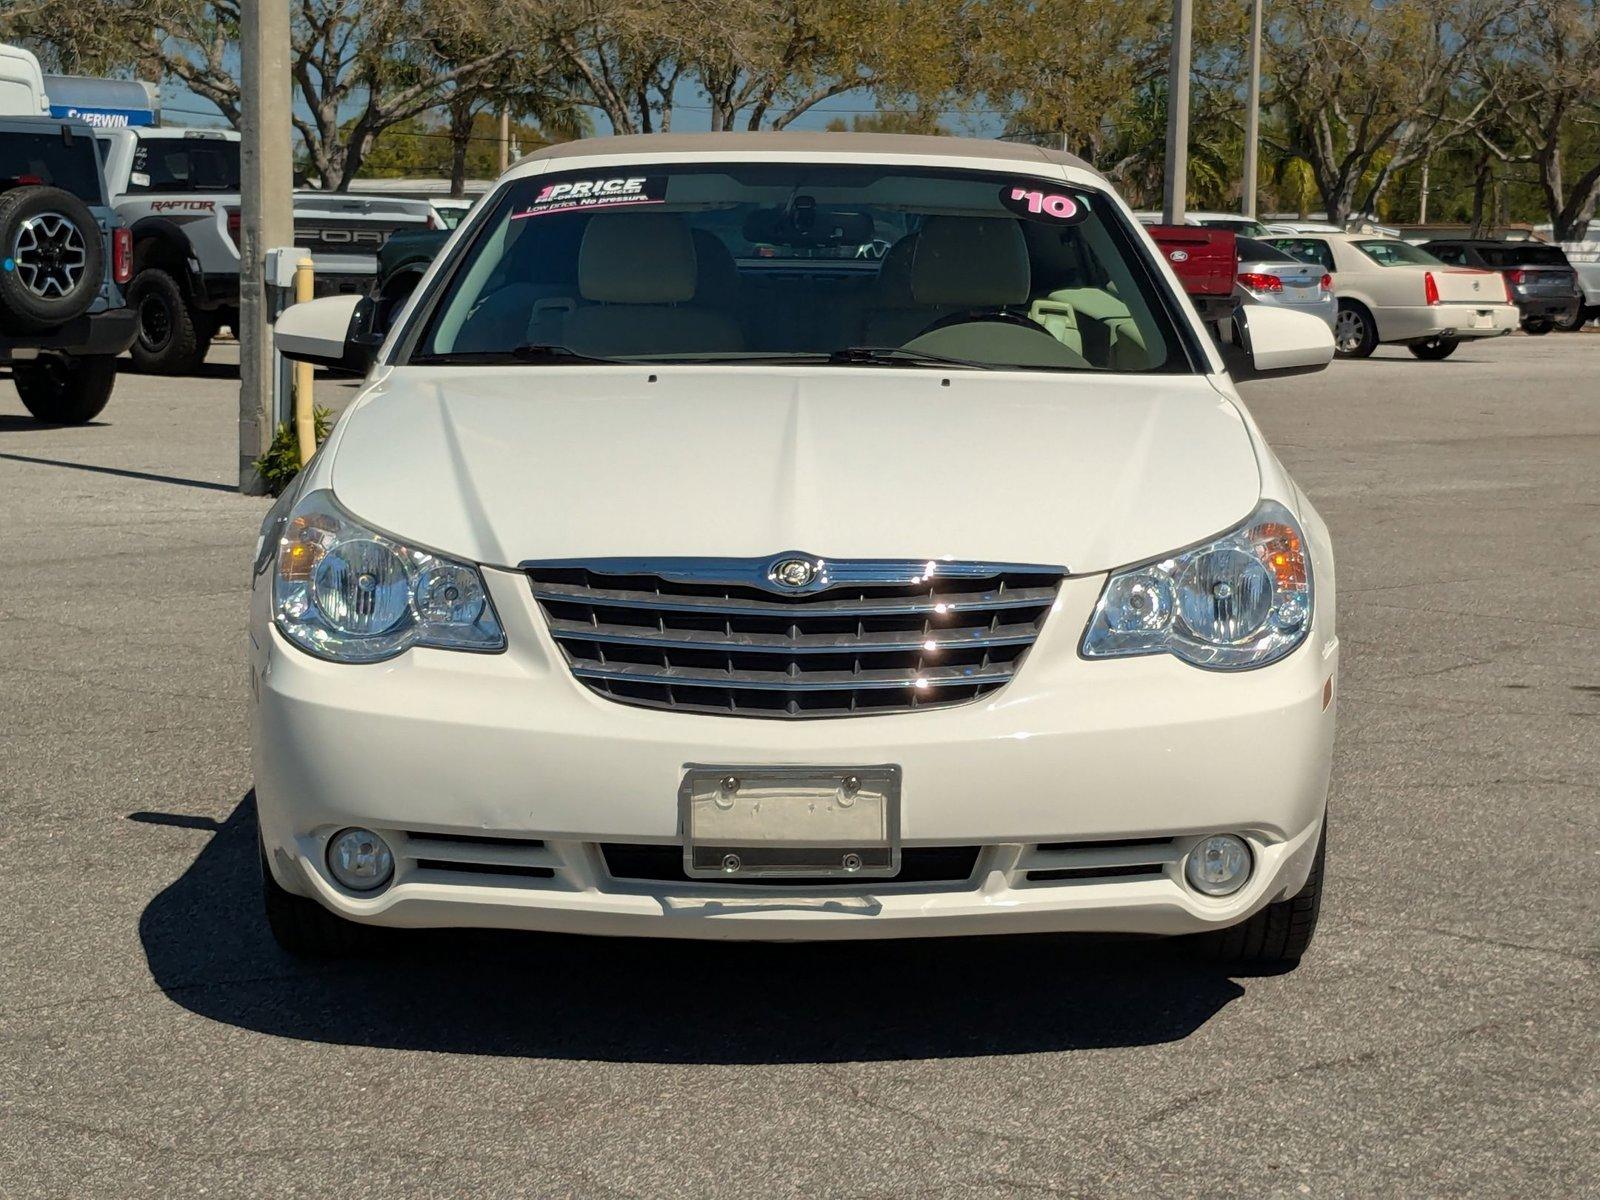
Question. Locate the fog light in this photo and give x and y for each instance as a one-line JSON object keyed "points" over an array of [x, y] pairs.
{"points": [[1218, 865], [360, 860]]}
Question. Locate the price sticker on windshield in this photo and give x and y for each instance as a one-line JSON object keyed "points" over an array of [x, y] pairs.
{"points": [[587, 195], [1040, 204]]}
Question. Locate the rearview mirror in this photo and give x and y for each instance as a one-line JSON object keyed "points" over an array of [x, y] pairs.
{"points": [[1273, 341], [328, 332]]}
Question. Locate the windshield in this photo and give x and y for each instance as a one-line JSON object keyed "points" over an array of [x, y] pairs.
{"points": [[1398, 254], [186, 164], [804, 262]]}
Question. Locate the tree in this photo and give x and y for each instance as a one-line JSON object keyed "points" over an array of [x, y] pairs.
{"points": [[1546, 91], [359, 66], [1366, 90]]}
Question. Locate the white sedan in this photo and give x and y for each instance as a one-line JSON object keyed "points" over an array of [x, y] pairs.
{"points": [[1392, 291], [681, 572]]}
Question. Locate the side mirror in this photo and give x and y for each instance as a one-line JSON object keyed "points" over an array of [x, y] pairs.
{"points": [[333, 332], [1273, 341]]}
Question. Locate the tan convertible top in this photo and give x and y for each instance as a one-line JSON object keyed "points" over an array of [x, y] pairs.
{"points": [[868, 145]]}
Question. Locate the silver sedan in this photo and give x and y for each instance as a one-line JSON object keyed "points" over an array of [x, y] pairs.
{"points": [[1266, 275]]}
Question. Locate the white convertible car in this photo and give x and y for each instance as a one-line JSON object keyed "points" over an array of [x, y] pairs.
{"points": [[685, 569], [1392, 291]]}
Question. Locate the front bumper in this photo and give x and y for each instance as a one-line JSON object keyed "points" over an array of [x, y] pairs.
{"points": [[510, 746]]}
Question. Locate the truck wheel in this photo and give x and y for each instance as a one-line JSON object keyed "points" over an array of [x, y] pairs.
{"points": [[1355, 334], [1538, 326], [170, 340], [61, 389], [1280, 933], [304, 928], [1434, 349], [52, 262], [1580, 317]]}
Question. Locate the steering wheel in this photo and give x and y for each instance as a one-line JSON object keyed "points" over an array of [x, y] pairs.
{"points": [[1000, 317]]}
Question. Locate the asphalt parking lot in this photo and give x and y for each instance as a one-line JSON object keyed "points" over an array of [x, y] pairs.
{"points": [[1441, 1039]]}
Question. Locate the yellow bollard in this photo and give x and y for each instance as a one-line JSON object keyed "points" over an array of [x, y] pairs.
{"points": [[305, 425]]}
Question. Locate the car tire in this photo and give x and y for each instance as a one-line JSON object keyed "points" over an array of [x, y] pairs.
{"points": [[1434, 349], [52, 258], [305, 929], [1280, 933], [1355, 333], [170, 340], [1538, 326], [61, 389], [1581, 317]]}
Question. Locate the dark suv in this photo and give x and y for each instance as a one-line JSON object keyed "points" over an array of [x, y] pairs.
{"points": [[64, 254], [1539, 279]]}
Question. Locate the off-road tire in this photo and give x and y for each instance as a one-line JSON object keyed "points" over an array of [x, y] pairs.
{"points": [[1434, 349], [304, 928], [170, 341], [1280, 933], [60, 389], [38, 224], [1367, 341]]}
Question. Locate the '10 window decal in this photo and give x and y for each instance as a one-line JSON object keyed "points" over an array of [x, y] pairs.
{"points": [[1037, 204]]}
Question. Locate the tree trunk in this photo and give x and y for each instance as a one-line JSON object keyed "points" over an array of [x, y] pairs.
{"points": [[460, 140]]}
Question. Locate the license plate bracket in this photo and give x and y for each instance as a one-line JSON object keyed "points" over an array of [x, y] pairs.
{"points": [[744, 822]]}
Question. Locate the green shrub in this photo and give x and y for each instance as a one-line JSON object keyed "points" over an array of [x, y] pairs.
{"points": [[281, 463]]}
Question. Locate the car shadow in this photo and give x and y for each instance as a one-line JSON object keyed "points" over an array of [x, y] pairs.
{"points": [[646, 1000]]}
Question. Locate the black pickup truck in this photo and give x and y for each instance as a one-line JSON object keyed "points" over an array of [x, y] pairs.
{"points": [[64, 256]]}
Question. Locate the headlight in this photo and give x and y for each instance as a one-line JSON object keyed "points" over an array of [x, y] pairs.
{"points": [[1239, 601], [352, 594]]}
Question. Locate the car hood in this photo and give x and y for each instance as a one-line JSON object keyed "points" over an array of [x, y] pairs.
{"points": [[501, 466]]}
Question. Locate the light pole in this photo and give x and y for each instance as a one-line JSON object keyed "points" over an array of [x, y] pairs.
{"points": [[1252, 114], [1177, 175]]}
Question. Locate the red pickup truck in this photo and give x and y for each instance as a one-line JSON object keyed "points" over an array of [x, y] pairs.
{"points": [[1206, 261]]}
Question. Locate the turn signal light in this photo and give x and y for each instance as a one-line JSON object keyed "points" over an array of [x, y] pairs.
{"points": [[1511, 279], [1258, 282], [1430, 288], [235, 226]]}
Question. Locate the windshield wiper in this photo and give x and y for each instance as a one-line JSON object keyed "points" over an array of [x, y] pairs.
{"points": [[532, 352], [847, 356]]}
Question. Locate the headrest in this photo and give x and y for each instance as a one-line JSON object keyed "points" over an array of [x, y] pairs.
{"points": [[970, 262], [893, 286], [716, 275], [636, 258]]}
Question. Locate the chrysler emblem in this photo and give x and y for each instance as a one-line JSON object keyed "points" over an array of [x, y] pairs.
{"points": [[793, 572]]}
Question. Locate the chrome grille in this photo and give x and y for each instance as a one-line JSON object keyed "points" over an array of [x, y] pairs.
{"points": [[856, 639]]}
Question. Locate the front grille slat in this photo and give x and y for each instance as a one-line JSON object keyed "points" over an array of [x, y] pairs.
{"points": [[720, 637]]}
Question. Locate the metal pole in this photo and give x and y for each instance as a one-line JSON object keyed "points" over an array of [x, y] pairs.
{"points": [[267, 220], [505, 138], [1177, 177], [305, 423], [1422, 200], [1252, 114]]}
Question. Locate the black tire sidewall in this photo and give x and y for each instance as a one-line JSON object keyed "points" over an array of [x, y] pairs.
{"points": [[60, 389], [185, 345], [1369, 335], [21, 308]]}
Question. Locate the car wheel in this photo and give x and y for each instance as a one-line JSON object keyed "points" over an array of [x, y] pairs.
{"points": [[52, 260], [304, 928], [1579, 318], [61, 389], [1434, 349], [1538, 326], [170, 341], [1280, 933], [1354, 333]]}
